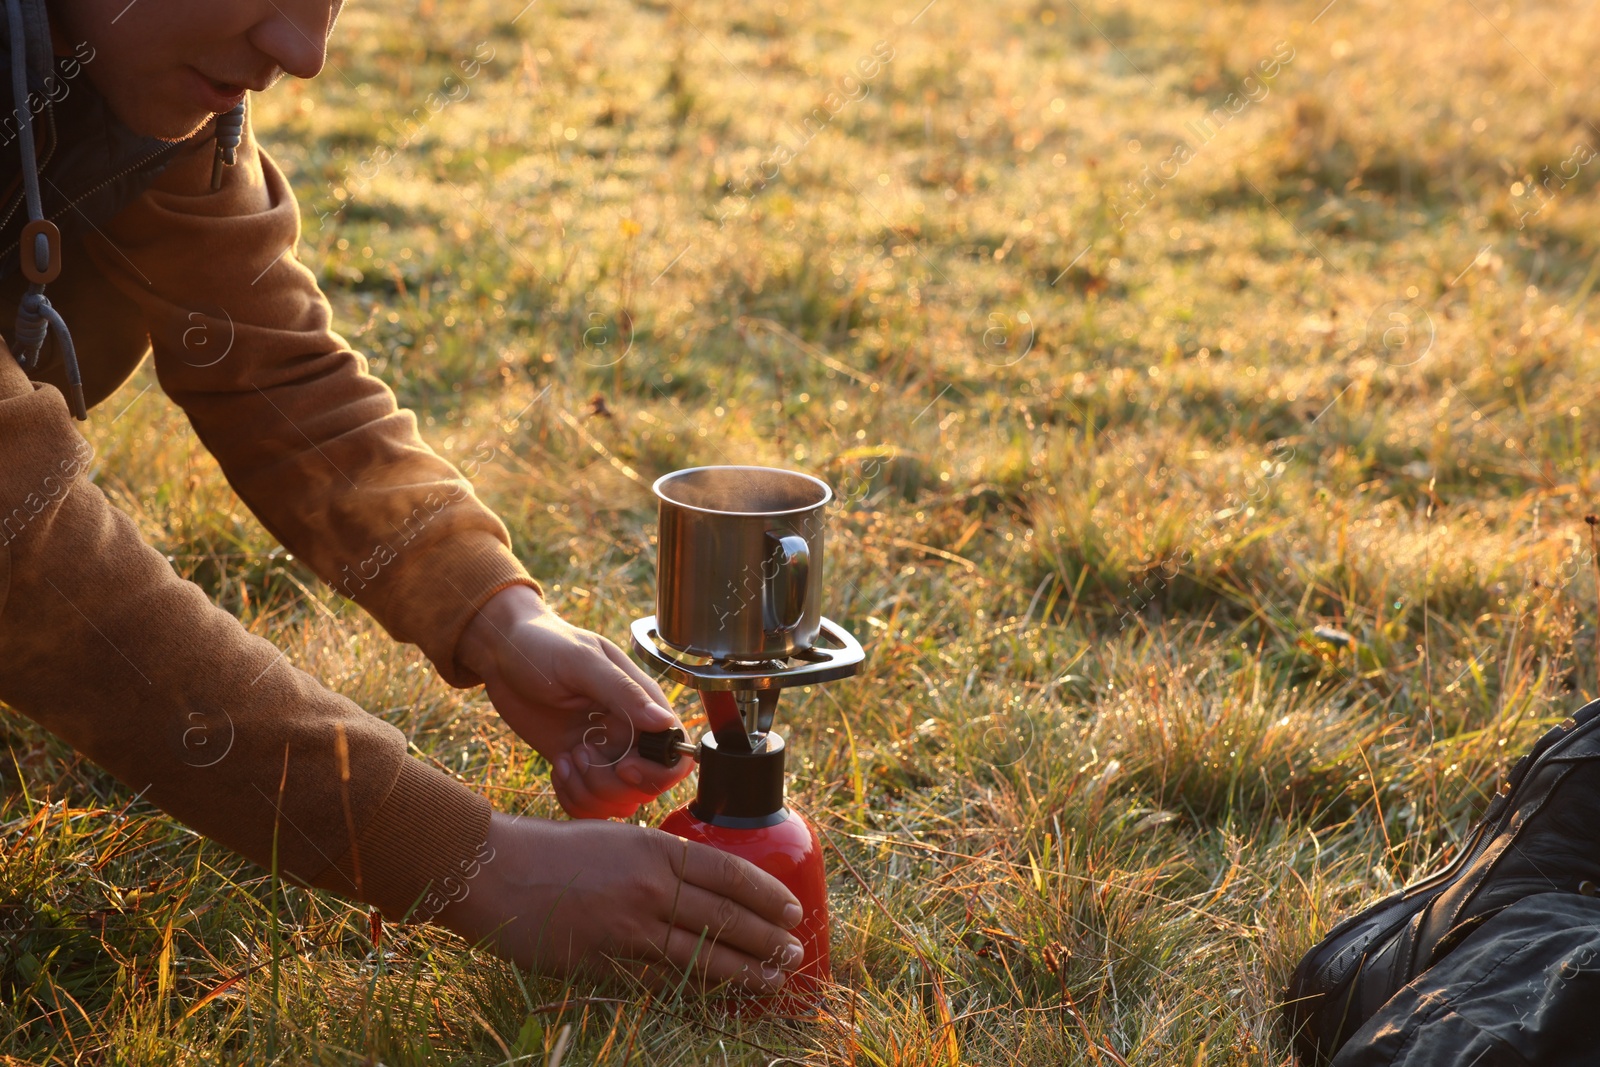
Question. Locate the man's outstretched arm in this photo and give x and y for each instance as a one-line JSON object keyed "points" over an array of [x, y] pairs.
{"points": [[133, 666], [104, 645], [314, 444], [318, 449]]}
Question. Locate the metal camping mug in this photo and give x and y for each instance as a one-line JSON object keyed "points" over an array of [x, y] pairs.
{"points": [[739, 561]]}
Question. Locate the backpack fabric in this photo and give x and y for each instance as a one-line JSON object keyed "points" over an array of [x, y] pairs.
{"points": [[1523, 990]]}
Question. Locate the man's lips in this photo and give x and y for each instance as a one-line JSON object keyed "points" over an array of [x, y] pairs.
{"points": [[215, 94]]}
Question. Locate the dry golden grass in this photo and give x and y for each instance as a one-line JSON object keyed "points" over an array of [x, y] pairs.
{"points": [[1111, 449]]}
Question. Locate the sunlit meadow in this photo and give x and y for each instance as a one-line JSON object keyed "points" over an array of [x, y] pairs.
{"points": [[1207, 389]]}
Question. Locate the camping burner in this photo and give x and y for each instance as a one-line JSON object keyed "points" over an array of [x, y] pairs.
{"points": [[741, 698], [738, 620]]}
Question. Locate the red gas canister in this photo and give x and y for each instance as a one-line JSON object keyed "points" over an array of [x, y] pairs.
{"points": [[738, 808]]}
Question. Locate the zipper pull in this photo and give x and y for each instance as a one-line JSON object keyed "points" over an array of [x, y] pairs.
{"points": [[230, 131]]}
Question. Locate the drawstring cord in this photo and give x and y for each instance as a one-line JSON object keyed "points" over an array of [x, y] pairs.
{"points": [[230, 130], [40, 244]]}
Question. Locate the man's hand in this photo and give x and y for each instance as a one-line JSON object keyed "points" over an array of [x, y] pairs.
{"points": [[589, 896], [576, 698]]}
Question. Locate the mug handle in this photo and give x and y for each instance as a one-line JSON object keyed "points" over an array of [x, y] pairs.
{"points": [[785, 587]]}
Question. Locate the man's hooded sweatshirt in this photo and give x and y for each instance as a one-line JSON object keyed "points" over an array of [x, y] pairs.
{"points": [[107, 647]]}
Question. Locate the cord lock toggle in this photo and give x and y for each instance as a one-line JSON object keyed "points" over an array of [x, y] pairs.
{"points": [[40, 249]]}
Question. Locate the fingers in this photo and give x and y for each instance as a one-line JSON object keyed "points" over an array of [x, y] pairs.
{"points": [[621, 685], [611, 767], [718, 964], [613, 784], [579, 800], [650, 777], [644, 778], [739, 880], [646, 683], [729, 924], [607, 682]]}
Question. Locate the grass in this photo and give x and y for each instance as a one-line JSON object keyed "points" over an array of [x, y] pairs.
{"points": [[1123, 456]]}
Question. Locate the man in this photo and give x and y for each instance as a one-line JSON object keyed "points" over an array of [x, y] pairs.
{"points": [[105, 646]]}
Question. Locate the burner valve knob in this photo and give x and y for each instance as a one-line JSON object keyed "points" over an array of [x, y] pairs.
{"points": [[665, 746]]}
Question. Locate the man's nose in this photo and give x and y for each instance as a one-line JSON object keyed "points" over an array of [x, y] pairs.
{"points": [[294, 34]]}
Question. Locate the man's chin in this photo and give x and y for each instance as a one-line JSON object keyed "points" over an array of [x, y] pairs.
{"points": [[177, 123], [181, 130]]}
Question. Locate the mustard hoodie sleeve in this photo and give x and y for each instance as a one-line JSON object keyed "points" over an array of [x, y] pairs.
{"points": [[104, 645], [313, 444]]}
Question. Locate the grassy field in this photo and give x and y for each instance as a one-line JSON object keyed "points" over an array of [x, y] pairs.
{"points": [[1208, 390]]}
